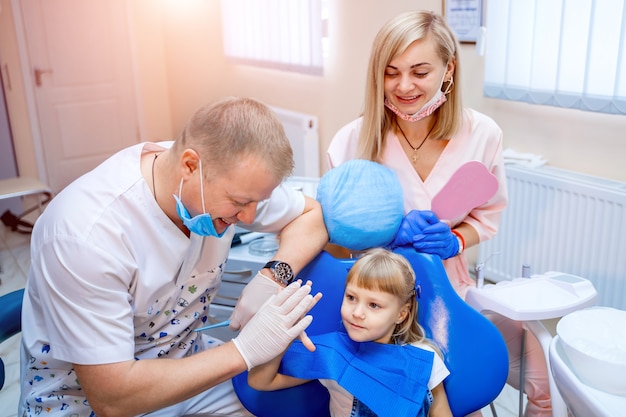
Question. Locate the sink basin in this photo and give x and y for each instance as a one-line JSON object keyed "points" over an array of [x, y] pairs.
{"points": [[546, 296], [581, 399], [594, 342]]}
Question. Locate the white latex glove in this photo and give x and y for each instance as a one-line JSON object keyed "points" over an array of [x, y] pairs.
{"points": [[254, 295], [276, 325]]}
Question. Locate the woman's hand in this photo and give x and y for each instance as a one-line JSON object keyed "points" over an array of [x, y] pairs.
{"points": [[437, 239], [426, 233], [413, 224]]}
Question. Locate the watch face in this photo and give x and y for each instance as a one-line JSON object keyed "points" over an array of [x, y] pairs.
{"points": [[283, 272]]}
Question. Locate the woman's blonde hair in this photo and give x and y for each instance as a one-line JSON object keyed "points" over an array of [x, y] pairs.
{"points": [[382, 270], [393, 39], [225, 131]]}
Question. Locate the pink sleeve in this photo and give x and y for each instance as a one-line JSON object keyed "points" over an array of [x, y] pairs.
{"points": [[486, 218]]}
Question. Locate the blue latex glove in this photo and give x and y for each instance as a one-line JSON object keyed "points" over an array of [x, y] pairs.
{"points": [[413, 224], [437, 239]]}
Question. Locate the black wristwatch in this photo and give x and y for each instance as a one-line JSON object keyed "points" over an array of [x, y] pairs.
{"points": [[282, 272]]}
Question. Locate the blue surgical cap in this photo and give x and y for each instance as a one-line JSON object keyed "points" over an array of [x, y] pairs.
{"points": [[363, 204]]}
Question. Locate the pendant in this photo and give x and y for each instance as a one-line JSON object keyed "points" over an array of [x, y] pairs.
{"points": [[415, 157]]}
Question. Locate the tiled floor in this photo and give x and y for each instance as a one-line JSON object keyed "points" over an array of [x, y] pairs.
{"points": [[14, 264]]}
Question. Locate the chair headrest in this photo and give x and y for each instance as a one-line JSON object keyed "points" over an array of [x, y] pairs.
{"points": [[363, 204]]}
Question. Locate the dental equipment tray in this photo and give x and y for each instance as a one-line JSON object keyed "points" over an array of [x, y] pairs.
{"points": [[545, 296]]}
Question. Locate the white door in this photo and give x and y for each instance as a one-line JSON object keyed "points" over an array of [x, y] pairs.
{"points": [[80, 58]]}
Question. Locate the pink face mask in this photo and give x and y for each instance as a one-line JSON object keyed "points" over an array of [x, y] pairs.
{"points": [[427, 109]]}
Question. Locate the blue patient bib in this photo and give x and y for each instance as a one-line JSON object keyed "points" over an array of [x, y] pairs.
{"points": [[391, 380]]}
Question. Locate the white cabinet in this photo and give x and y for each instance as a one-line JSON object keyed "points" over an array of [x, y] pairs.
{"points": [[241, 266]]}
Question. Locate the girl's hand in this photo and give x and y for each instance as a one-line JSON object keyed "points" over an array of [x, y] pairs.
{"points": [[303, 337]]}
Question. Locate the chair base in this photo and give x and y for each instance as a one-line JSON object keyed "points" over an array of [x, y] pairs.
{"points": [[21, 187], [15, 223]]}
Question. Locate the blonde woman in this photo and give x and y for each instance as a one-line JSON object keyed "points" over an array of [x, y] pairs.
{"points": [[414, 123]]}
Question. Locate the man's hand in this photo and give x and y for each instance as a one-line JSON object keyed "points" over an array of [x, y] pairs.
{"points": [[254, 295], [279, 321]]}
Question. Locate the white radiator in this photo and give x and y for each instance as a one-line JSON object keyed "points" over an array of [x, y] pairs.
{"points": [[301, 129], [559, 220]]}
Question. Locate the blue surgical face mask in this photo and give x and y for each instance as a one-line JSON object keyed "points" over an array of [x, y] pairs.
{"points": [[202, 224]]}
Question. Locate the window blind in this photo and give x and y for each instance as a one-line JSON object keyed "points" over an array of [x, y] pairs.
{"points": [[566, 53], [279, 34]]}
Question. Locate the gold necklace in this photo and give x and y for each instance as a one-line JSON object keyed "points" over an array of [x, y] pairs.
{"points": [[415, 157], [153, 183]]}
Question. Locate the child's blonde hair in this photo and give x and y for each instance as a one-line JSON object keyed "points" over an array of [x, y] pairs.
{"points": [[382, 270]]}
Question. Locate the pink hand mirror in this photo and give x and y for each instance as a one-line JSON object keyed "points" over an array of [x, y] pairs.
{"points": [[469, 187]]}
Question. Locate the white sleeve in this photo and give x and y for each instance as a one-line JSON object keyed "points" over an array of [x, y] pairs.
{"points": [[83, 293], [439, 371], [283, 206]]}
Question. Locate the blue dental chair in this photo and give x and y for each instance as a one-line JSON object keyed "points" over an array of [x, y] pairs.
{"points": [[473, 349], [10, 320]]}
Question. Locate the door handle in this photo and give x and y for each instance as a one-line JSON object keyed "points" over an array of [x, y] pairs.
{"points": [[38, 73]]}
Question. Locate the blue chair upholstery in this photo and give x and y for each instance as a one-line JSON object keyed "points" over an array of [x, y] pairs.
{"points": [[329, 276], [10, 320], [473, 349]]}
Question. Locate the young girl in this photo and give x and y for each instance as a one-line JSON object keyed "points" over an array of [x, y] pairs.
{"points": [[380, 306]]}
